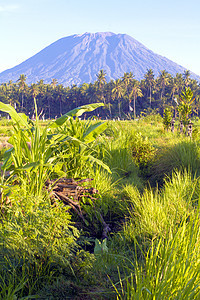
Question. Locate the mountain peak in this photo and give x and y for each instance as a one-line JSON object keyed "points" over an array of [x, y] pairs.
{"points": [[78, 58]]}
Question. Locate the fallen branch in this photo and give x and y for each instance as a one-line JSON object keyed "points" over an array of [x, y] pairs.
{"points": [[70, 192]]}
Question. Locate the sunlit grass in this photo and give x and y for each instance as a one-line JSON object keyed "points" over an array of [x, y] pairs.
{"points": [[153, 245]]}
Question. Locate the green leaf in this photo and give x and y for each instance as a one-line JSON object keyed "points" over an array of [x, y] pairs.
{"points": [[20, 118], [93, 131], [100, 247], [104, 246], [29, 166], [7, 158], [99, 162], [97, 248], [77, 112]]}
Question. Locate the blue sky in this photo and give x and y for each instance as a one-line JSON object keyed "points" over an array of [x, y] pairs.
{"points": [[170, 28]]}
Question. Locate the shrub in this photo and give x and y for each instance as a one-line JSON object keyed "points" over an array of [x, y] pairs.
{"points": [[37, 241], [141, 149], [167, 118]]}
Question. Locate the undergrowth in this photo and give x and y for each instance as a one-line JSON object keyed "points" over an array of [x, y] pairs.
{"points": [[148, 195]]}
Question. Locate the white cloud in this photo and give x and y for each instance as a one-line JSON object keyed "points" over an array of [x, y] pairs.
{"points": [[8, 8]]}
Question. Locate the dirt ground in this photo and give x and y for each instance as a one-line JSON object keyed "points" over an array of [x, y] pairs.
{"points": [[4, 142]]}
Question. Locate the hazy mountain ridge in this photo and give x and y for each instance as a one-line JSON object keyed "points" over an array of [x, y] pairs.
{"points": [[78, 58]]}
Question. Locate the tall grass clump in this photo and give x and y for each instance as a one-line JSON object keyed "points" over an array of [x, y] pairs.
{"points": [[161, 236], [153, 212], [183, 155], [120, 159], [171, 268]]}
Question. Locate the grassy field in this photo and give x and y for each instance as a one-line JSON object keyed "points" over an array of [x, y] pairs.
{"points": [[148, 196]]}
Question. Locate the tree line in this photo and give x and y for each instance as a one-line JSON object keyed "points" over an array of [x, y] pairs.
{"points": [[125, 97]]}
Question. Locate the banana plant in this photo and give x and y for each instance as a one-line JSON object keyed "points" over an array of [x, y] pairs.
{"points": [[185, 105], [36, 153], [83, 150]]}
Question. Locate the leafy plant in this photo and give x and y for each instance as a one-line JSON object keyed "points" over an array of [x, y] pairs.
{"points": [[36, 152], [83, 150], [100, 247], [141, 149], [185, 106], [167, 118], [37, 241]]}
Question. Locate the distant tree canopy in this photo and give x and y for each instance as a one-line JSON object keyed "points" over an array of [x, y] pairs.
{"points": [[124, 97]]}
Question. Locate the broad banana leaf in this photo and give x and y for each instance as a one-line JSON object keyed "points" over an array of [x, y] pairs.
{"points": [[93, 131], [19, 118], [77, 112]]}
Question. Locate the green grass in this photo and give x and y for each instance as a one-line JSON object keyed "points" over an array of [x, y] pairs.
{"points": [[150, 201], [182, 155], [170, 269]]}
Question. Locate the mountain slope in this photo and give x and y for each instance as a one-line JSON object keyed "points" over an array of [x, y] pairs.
{"points": [[78, 58]]}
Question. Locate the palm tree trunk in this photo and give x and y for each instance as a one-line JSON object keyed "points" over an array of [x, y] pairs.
{"points": [[150, 95], [60, 108], [109, 107], [22, 101], [49, 109], [134, 112], [119, 108]]}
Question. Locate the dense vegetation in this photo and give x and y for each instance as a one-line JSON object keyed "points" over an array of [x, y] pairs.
{"points": [[148, 194], [123, 98]]}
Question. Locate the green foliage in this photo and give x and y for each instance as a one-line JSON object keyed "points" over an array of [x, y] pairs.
{"points": [[150, 116], [152, 251], [36, 242], [162, 234], [48, 152], [153, 212], [185, 106], [120, 159], [183, 155], [141, 149], [167, 118], [100, 247], [171, 268], [82, 149]]}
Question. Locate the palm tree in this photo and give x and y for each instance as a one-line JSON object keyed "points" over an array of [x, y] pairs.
{"points": [[54, 82], [185, 105], [60, 92], [135, 92], [174, 87], [22, 85], [108, 95], [101, 81], [163, 82], [150, 82], [180, 82], [118, 92], [127, 79], [34, 91], [186, 76]]}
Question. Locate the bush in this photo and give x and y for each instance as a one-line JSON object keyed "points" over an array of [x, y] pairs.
{"points": [[141, 149], [37, 241]]}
